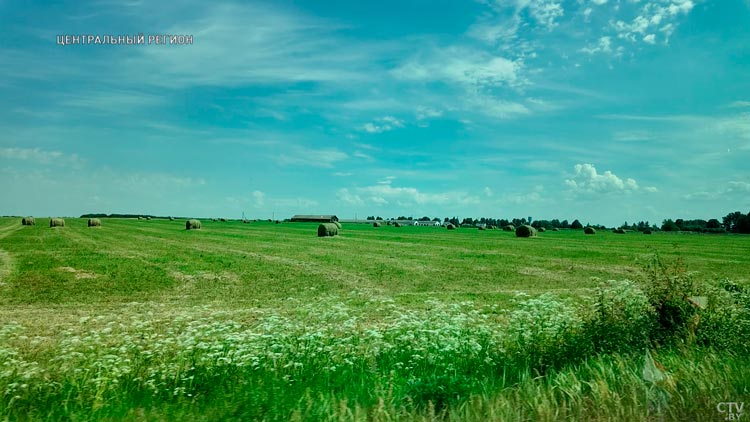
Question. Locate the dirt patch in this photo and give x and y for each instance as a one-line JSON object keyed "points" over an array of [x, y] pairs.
{"points": [[78, 274]]}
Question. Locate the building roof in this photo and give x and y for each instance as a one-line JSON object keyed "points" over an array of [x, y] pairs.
{"points": [[315, 217]]}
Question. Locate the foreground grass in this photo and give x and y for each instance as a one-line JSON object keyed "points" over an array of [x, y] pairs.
{"points": [[147, 321]]}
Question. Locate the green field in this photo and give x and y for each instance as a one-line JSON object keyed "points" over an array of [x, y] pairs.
{"points": [[144, 320]]}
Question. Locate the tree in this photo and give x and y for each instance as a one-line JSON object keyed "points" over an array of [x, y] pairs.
{"points": [[669, 226], [576, 224], [713, 224], [730, 220], [743, 224]]}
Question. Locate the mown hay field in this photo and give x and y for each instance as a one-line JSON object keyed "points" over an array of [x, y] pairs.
{"points": [[149, 321]]}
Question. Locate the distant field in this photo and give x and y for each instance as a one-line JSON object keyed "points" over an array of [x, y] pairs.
{"points": [[261, 264], [144, 320]]}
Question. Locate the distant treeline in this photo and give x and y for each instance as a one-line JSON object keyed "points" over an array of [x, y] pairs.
{"points": [[735, 222]]}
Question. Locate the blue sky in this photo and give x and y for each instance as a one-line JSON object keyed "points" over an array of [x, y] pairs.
{"points": [[603, 111]]}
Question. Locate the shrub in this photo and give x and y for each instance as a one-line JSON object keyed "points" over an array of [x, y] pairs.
{"points": [[525, 231], [668, 287], [192, 224], [622, 318], [327, 229]]}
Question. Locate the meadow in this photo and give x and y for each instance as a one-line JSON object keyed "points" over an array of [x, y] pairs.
{"points": [[144, 320]]}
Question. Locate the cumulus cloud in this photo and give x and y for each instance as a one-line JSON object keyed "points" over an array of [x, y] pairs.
{"points": [[586, 179]]}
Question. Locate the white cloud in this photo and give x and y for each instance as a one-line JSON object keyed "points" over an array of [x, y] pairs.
{"points": [[604, 45], [739, 104], [586, 179], [386, 194], [650, 39], [599, 2], [427, 113], [259, 197], [383, 124], [347, 197], [463, 66], [39, 156], [324, 157], [488, 192], [732, 189]]}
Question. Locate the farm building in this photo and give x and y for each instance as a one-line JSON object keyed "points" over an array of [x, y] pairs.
{"points": [[314, 219], [428, 223]]}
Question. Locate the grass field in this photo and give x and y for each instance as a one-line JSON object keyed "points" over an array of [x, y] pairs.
{"points": [[143, 320]]}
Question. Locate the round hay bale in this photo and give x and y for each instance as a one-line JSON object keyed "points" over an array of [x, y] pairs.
{"points": [[647, 231], [140, 218], [450, 226], [28, 221], [542, 230], [509, 228], [555, 229], [327, 229], [223, 220], [376, 224], [148, 218], [589, 230], [56, 222], [94, 222], [619, 231], [481, 228], [525, 231], [192, 224], [396, 224], [171, 218], [338, 225]]}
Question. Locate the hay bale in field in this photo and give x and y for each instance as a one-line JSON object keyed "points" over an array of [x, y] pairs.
{"points": [[192, 224], [555, 229], [396, 224], [223, 220], [525, 231], [490, 227], [480, 228], [338, 225], [148, 218], [509, 228], [619, 231], [647, 231], [171, 218], [327, 229], [246, 221], [450, 226], [589, 230], [140, 218], [542, 230], [376, 224], [56, 222], [28, 221], [94, 222]]}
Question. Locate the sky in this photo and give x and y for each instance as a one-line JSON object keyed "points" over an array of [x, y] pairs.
{"points": [[599, 110]]}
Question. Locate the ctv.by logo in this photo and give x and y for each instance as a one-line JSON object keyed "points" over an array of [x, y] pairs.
{"points": [[732, 410]]}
